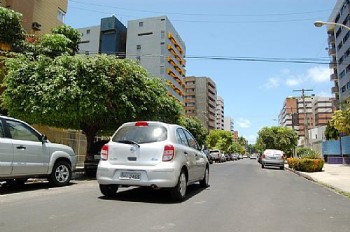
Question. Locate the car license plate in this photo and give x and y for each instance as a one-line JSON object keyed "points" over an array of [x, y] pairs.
{"points": [[130, 175]]}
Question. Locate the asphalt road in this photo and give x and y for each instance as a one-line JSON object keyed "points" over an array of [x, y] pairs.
{"points": [[241, 197]]}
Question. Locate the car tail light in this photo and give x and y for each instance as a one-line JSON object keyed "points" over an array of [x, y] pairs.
{"points": [[141, 123], [169, 153], [104, 152]]}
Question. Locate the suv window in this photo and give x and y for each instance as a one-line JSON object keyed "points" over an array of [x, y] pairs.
{"points": [[21, 131], [181, 137], [2, 135], [141, 134], [191, 141]]}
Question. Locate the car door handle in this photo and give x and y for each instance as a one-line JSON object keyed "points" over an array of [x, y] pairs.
{"points": [[21, 147]]}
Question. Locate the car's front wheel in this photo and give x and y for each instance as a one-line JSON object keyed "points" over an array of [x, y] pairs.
{"points": [[109, 190], [61, 174], [205, 181], [179, 191]]}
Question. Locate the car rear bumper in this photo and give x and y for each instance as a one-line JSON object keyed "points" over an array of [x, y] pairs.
{"points": [[161, 177], [279, 163]]}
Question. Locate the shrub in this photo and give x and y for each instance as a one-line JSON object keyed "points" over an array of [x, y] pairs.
{"points": [[306, 164], [308, 153]]}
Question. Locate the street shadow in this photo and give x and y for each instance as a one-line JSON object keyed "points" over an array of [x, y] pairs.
{"points": [[29, 186], [149, 195]]}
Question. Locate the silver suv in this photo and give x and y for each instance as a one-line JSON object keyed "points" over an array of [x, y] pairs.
{"points": [[152, 154], [26, 153]]}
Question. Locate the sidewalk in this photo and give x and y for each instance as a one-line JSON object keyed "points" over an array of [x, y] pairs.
{"points": [[335, 176]]}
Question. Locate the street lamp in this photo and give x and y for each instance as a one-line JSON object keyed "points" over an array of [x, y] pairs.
{"points": [[321, 23]]}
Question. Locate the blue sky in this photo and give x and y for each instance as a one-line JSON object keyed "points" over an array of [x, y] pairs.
{"points": [[262, 32]]}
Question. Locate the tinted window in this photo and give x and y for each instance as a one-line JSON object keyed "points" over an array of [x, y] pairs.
{"points": [[141, 134], [181, 137], [191, 141], [1, 130], [21, 131]]}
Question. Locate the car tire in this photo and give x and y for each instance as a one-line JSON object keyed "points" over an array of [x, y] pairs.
{"points": [[178, 193], [282, 168], [90, 172], [204, 183], [109, 190], [262, 166], [61, 174]]}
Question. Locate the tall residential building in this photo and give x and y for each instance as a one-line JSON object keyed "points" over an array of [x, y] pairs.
{"points": [[228, 124], [200, 100], [38, 16], [220, 112], [155, 44], [318, 112], [109, 38], [339, 51]]}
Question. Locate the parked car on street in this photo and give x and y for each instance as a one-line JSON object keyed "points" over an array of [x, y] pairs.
{"points": [[272, 157], [252, 156], [152, 154], [26, 153], [216, 154], [209, 157], [92, 157]]}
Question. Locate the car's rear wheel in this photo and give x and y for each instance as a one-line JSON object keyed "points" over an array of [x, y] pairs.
{"points": [[205, 181], [262, 165], [109, 190], [282, 167], [61, 174], [178, 193]]}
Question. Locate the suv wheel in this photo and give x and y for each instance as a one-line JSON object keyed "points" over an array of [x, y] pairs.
{"points": [[61, 174], [179, 191], [109, 190]]}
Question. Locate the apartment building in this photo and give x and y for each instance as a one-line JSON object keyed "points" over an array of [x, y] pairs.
{"points": [[228, 124], [339, 51], [200, 100], [155, 44], [316, 112], [109, 38], [220, 113], [39, 17]]}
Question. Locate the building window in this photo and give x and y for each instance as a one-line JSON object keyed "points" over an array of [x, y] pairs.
{"points": [[140, 24], [162, 34], [60, 15], [138, 47]]}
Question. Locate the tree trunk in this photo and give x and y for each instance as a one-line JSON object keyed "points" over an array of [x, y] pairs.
{"points": [[90, 133]]}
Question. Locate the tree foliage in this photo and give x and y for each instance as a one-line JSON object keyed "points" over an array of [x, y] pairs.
{"points": [[195, 126], [331, 132], [341, 121], [90, 93], [281, 138], [11, 30], [71, 34], [220, 139]]}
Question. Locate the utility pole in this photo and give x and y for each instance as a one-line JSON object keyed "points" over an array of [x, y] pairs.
{"points": [[306, 123]]}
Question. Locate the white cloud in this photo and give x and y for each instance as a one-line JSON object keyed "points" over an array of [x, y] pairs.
{"points": [[243, 123], [272, 83], [317, 74]]}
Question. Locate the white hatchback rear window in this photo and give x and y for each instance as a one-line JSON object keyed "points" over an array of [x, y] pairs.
{"points": [[141, 134]]}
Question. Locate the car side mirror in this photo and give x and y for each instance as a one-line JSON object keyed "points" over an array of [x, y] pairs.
{"points": [[43, 138]]}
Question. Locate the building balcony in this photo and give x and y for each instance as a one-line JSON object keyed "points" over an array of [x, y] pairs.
{"points": [[333, 77], [333, 65], [331, 39], [335, 89], [331, 52]]}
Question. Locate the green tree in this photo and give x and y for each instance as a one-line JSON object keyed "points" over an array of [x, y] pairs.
{"points": [[281, 138], [195, 126], [90, 93], [331, 132], [73, 36], [341, 120], [220, 139], [11, 30]]}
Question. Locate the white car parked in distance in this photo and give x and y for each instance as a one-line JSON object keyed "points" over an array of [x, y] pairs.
{"points": [[153, 154]]}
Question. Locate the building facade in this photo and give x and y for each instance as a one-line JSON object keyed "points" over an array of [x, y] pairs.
{"points": [[339, 51], [220, 113], [315, 113], [39, 17], [109, 38], [228, 124], [200, 100], [155, 45]]}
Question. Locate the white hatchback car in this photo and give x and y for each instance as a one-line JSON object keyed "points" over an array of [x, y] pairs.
{"points": [[153, 154]]}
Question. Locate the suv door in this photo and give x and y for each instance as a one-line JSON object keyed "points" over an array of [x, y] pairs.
{"points": [[6, 152], [31, 156], [200, 161]]}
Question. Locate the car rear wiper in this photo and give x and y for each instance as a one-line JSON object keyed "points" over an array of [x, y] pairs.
{"points": [[128, 142]]}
